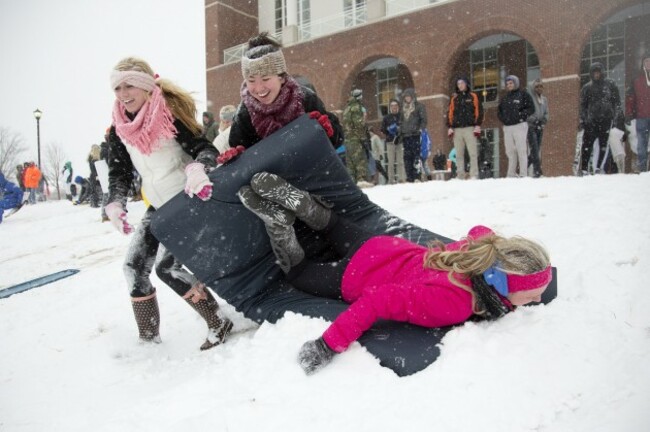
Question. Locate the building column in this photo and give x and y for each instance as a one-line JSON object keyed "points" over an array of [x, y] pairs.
{"points": [[376, 10], [291, 33]]}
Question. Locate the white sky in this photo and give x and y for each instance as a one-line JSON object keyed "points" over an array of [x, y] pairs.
{"points": [[57, 56]]}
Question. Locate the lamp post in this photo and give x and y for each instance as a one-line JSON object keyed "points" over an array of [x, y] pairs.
{"points": [[37, 115]]}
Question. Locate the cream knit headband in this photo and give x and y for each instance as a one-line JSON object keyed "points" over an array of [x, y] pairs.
{"points": [[137, 79], [269, 64]]}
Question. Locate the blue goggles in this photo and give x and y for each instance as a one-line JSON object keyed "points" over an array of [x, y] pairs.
{"points": [[497, 279]]}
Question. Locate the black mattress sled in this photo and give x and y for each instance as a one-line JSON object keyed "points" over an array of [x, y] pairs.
{"points": [[226, 246]]}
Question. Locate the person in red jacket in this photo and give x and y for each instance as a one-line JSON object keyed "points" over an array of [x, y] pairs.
{"points": [[32, 179], [637, 107], [386, 277]]}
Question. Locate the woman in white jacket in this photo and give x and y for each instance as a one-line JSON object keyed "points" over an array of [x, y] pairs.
{"points": [[155, 132]]}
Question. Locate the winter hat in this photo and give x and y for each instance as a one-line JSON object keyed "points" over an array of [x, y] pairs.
{"points": [[79, 180], [137, 79], [263, 60], [514, 79], [227, 112]]}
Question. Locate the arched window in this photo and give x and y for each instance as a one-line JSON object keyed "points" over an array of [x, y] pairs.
{"points": [[606, 46], [494, 57]]}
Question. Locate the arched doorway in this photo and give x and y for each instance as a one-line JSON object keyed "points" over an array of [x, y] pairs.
{"points": [[619, 44], [486, 63], [381, 80]]}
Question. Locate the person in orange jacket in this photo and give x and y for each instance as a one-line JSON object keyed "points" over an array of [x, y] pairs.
{"points": [[33, 177]]}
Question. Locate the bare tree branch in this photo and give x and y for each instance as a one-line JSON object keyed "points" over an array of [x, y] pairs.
{"points": [[53, 165], [11, 147]]}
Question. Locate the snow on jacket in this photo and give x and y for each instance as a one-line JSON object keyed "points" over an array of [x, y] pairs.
{"points": [[386, 279], [465, 109], [32, 177], [599, 100], [12, 195], [390, 126], [412, 121], [637, 103], [515, 107], [162, 171], [354, 124], [540, 115]]}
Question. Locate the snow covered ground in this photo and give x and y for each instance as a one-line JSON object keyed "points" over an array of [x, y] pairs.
{"points": [[70, 360]]}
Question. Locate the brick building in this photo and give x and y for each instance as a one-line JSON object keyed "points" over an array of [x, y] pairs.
{"points": [[385, 46]]}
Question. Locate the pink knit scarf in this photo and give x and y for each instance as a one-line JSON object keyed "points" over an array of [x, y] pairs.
{"points": [[284, 109], [152, 123]]}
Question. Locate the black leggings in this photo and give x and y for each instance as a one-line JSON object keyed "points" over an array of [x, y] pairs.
{"points": [[323, 279], [144, 252]]}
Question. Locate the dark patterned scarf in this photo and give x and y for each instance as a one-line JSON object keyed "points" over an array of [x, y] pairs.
{"points": [[284, 109]]}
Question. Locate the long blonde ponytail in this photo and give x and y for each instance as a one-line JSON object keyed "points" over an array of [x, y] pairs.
{"points": [[514, 255]]}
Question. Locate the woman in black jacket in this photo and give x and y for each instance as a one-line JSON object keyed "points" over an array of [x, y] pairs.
{"points": [[271, 98]]}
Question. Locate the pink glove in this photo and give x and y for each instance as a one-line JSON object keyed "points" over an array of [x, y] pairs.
{"points": [[324, 121], [230, 154], [117, 215], [450, 133], [197, 182], [477, 131]]}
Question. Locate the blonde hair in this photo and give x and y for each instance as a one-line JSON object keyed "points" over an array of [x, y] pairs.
{"points": [[180, 102], [95, 152], [514, 255]]}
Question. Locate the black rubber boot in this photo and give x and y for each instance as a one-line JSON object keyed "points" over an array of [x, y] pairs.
{"points": [[279, 226], [310, 209], [147, 317], [218, 328], [270, 212]]}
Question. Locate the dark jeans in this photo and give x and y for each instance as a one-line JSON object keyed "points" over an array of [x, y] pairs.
{"points": [[593, 131], [535, 133], [411, 154], [323, 279]]}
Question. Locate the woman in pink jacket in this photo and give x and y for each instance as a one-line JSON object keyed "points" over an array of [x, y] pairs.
{"points": [[386, 277]]}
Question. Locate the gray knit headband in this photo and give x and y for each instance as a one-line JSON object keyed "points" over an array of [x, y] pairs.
{"points": [[269, 64]]}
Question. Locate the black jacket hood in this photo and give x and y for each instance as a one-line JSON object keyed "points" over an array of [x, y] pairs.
{"points": [[596, 67], [463, 78]]}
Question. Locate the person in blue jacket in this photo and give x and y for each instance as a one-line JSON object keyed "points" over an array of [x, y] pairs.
{"points": [[12, 196]]}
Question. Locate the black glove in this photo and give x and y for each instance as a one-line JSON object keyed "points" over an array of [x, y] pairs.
{"points": [[315, 355], [628, 120]]}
